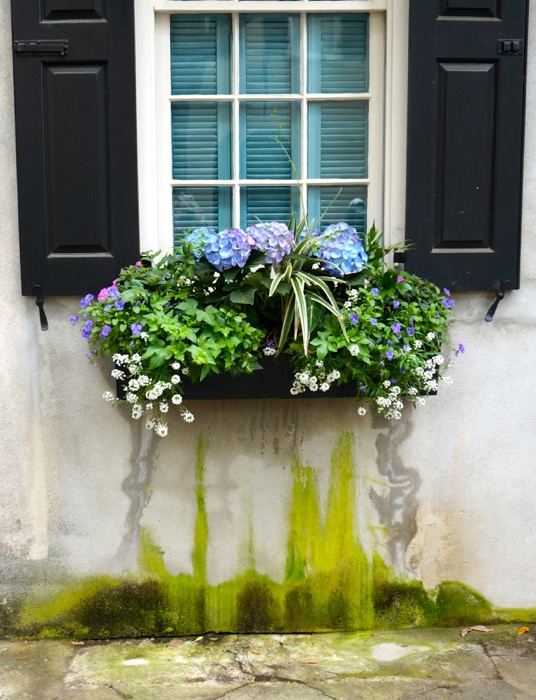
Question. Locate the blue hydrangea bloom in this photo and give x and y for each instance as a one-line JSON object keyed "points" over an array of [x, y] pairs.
{"points": [[273, 238], [229, 248], [198, 239], [342, 250]]}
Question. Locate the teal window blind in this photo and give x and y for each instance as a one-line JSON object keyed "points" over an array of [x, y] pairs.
{"points": [[262, 125]]}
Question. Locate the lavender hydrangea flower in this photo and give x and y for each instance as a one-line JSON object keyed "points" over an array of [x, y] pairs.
{"points": [[272, 238], [229, 248], [342, 250]]}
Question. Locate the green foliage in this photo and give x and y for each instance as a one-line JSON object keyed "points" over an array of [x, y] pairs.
{"points": [[179, 314]]}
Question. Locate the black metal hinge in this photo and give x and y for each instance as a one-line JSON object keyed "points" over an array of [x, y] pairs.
{"points": [[510, 47], [31, 47]]}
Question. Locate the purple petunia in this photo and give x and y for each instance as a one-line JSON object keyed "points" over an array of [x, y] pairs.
{"points": [[86, 301], [86, 330]]}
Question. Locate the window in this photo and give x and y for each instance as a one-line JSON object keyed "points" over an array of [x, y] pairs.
{"points": [[241, 84]]}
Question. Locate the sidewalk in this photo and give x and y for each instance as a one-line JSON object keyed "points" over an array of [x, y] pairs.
{"points": [[438, 663]]}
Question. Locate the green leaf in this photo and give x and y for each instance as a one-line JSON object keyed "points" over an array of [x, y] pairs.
{"points": [[301, 310], [244, 295]]}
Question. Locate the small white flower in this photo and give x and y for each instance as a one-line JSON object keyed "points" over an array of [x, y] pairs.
{"points": [[361, 411], [176, 365], [164, 407], [176, 399], [143, 380], [133, 385], [421, 401], [137, 411], [354, 350], [430, 336], [161, 429], [118, 374], [175, 379], [108, 396], [136, 357], [131, 397], [149, 406], [185, 370], [418, 344], [324, 387], [386, 384], [446, 380], [187, 416], [268, 350], [144, 335], [439, 359]]}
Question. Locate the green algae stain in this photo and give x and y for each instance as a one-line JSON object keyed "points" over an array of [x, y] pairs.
{"points": [[199, 553], [329, 583]]}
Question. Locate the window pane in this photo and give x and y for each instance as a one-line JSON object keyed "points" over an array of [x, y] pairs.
{"points": [[201, 206], [337, 53], [269, 54], [336, 204], [267, 204], [338, 139], [200, 54], [201, 138], [261, 156]]}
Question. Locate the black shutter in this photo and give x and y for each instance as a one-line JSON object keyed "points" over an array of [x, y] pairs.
{"points": [[467, 63], [75, 114]]}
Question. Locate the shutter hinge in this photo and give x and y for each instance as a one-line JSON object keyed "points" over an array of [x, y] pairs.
{"points": [[29, 47], [510, 47]]}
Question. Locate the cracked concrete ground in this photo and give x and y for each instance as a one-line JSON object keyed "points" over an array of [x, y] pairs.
{"points": [[438, 663]]}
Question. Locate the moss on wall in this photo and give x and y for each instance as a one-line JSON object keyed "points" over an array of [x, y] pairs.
{"points": [[329, 582]]}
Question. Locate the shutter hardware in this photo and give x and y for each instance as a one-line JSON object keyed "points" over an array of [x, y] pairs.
{"points": [[510, 47], [493, 308], [40, 302], [30, 47]]}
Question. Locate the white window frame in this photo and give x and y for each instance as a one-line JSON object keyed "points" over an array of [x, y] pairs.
{"points": [[387, 99]]}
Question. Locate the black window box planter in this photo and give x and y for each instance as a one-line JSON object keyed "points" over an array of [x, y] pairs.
{"points": [[272, 382]]}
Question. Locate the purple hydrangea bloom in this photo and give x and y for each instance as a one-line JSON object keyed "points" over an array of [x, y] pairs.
{"points": [[274, 239], [106, 330], [229, 248], [342, 250]]}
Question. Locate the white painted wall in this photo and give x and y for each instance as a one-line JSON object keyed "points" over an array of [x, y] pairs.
{"points": [[78, 478]]}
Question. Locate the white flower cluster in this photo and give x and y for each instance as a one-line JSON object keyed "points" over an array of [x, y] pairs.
{"points": [[352, 295], [391, 404], [145, 396], [314, 380]]}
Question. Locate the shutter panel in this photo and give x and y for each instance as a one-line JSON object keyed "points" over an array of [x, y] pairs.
{"points": [[76, 142], [465, 141]]}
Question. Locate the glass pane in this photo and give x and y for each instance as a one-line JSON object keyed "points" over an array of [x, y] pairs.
{"points": [[336, 204], [267, 204], [200, 54], [269, 54], [338, 139], [337, 53], [261, 123], [201, 140], [201, 206]]}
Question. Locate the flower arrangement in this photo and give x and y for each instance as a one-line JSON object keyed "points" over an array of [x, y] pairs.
{"points": [[224, 300]]}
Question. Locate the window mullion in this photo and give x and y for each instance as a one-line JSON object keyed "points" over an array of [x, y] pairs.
{"points": [[235, 139], [304, 173]]}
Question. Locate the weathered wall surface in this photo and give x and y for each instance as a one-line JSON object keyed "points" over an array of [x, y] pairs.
{"points": [[261, 515]]}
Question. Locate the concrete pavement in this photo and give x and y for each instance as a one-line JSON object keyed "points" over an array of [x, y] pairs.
{"points": [[381, 665]]}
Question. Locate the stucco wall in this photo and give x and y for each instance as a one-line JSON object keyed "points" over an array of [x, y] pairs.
{"points": [[445, 494]]}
